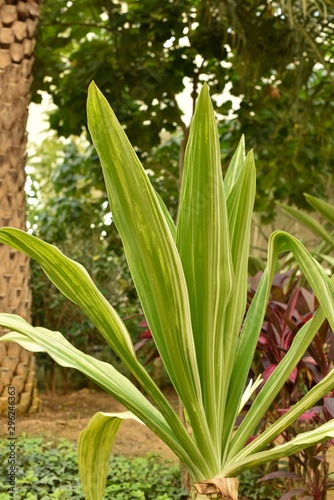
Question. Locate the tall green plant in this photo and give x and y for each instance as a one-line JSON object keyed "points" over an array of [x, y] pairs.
{"points": [[191, 279]]}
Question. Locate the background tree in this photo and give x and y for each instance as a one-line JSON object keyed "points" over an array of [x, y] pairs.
{"points": [[142, 55], [274, 56], [18, 21]]}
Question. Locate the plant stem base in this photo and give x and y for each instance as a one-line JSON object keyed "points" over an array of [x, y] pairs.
{"points": [[223, 489]]}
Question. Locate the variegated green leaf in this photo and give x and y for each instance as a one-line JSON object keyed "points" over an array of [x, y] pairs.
{"points": [[240, 204], [169, 220], [204, 246], [304, 440], [244, 356], [316, 276], [274, 430], [327, 258], [321, 206], [94, 449], [235, 167], [74, 282], [104, 375], [309, 222]]}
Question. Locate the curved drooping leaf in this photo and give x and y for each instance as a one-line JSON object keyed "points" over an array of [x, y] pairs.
{"points": [[321, 206], [74, 282], [300, 442], [72, 279], [103, 374], [309, 222], [94, 449]]}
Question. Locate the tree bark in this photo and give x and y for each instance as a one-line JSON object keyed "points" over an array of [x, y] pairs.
{"points": [[18, 21]]}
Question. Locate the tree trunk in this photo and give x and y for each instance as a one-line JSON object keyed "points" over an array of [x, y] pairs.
{"points": [[18, 21], [224, 489]]}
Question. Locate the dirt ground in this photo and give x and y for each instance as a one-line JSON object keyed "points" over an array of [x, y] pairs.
{"points": [[66, 416]]}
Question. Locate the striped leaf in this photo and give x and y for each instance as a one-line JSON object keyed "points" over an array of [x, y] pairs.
{"points": [[240, 204], [74, 282], [94, 448], [321, 206], [104, 375], [309, 222], [273, 431], [204, 245], [235, 167], [322, 288], [300, 442]]}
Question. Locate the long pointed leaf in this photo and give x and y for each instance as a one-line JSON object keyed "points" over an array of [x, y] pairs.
{"points": [[169, 220], [240, 204], [152, 257], [300, 442], [244, 355], [203, 243], [315, 274], [75, 283], [309, 222], [235, 167], [273, 431]]}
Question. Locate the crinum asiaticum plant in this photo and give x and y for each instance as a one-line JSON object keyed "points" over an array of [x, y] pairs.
{"points": [[191, 279]]}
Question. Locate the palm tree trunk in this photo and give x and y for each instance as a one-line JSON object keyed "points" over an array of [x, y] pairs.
{"points": [[224, 489], [18, 21]]}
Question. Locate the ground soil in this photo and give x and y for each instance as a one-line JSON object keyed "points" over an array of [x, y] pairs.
{"points": [[65, 416]]}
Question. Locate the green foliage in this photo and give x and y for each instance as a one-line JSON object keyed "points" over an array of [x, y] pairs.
{"points": [[44, 469], [145, 478], [251, 487], [49, 470], [276, 55]]}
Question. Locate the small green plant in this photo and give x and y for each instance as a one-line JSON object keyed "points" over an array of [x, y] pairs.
{"points": [[49, 469], [251, 488], [191, 279]]}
